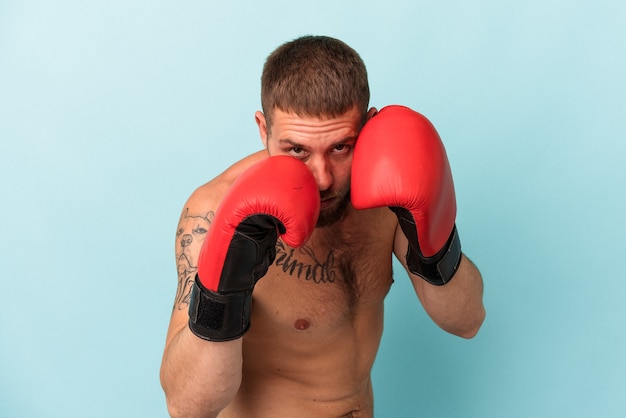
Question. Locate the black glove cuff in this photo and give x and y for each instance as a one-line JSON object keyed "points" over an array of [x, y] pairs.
{"points": [[440, 268], [218, 316]]}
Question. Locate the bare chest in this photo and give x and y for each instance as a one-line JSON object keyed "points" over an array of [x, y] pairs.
{"points": [[335, 276]]}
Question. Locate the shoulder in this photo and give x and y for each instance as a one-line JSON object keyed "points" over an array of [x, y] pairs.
{"points": [[210, 194]]}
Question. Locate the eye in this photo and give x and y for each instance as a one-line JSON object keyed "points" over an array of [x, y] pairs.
{"points": [[341, 148], [199, 230], [297, 152]]}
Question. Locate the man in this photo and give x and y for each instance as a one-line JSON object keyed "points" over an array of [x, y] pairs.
{"points": [[279, 308]]}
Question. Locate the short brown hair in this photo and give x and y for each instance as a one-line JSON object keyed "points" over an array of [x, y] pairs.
{"points": [[314, 76]]}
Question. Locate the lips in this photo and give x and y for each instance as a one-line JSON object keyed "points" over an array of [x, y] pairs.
{"points": [[327, 202]]}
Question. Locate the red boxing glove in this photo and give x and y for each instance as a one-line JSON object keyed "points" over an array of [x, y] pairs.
{"points": [[277, 196], [399, 161]]}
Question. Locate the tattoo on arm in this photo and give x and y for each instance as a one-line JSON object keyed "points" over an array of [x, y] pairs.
{"points": [[190, 235]]}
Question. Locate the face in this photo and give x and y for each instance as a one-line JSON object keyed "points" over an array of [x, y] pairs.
{"points": [[324, 145]]}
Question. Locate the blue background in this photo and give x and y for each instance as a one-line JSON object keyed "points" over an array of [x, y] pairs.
{"points": [[112, 112]]}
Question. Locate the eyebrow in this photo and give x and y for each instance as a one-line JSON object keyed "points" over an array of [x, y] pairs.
{"points": [[289, 141]]}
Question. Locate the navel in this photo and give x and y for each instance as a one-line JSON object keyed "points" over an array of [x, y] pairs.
{"points": [[301, 324]]}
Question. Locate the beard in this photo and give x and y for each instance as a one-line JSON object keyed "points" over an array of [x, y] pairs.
{"points": [[335, 213]]}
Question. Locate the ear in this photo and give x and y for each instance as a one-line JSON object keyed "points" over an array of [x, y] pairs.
{"points": [[259, 117], [371, 113]]}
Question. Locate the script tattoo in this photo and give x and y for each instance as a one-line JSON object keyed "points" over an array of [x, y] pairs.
{"points": [[189, 237], [318, 272]]}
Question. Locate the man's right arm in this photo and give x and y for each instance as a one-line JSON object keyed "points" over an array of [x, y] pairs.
{"points": [[220, 258], [199, 377]]}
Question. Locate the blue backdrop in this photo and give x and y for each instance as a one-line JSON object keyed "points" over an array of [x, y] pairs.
{"points": [[112, 112]]}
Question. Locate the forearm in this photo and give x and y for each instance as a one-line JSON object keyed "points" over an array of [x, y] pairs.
{"points": [[457, 306], [200, 377]]}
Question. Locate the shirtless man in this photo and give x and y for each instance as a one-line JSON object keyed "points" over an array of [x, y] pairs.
{"points": [[279, 311]]}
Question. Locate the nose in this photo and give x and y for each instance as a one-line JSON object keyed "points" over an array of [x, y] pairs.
{"points": [[322, 172]]}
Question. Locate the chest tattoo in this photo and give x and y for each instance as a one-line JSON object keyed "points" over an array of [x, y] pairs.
{"points": [[313, 269]]}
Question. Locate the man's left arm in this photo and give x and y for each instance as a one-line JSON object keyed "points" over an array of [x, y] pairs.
{"points": [[399, 161], [456, 307]]}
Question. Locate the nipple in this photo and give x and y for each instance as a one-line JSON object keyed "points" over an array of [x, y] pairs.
{"points": [[301, 324]]}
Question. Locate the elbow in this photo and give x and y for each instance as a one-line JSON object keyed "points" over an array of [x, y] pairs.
{"points": [[466, 326], [176, 409], [468, 333], [180, 406], [470, 328], [177, 405], [183, 401]]}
